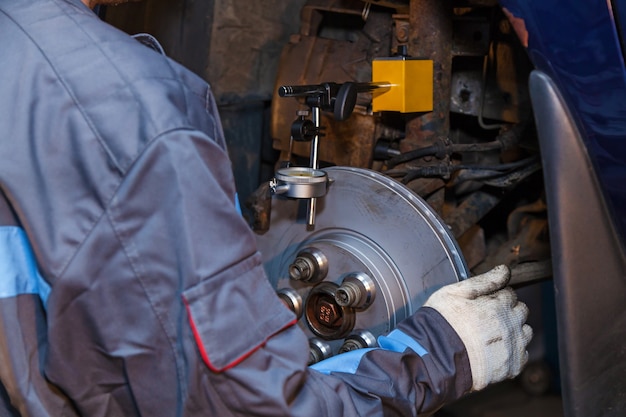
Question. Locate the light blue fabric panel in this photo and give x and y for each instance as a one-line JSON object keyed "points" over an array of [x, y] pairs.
{"points": [[18, 270], [346, 362], [237, 204], [398, 341]]}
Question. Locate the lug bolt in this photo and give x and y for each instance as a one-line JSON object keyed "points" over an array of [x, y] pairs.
{"points": [[348, 294], [357, 291], [292, 300], [309, 266], [301, 269], [318, 350], [358, 340]]}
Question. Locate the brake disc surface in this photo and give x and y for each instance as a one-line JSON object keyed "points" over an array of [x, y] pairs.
{"points": [[371, 232]]}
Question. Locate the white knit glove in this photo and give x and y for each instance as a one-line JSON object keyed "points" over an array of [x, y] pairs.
{"points": [[490, 322]]}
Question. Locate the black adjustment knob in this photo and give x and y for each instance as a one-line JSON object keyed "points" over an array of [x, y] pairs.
{"points": [[303, 130], [345, 101]]}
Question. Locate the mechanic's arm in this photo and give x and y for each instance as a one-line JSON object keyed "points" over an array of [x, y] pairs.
{"points": [[468, 335], [419, 367], [177, 204]]}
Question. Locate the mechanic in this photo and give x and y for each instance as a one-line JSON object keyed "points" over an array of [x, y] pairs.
{"points": [[131, 285]]}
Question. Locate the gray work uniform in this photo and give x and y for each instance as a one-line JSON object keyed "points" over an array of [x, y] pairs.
{"points": [[131, 285]]}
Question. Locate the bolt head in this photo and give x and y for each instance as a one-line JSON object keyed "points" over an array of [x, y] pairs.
{"points": [[328, 313]]}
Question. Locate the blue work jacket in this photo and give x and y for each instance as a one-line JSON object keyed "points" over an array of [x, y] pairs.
{"points": [[131, 285]]}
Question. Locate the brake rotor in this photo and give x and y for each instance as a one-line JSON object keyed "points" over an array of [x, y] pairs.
{"points": [[377, 252]]}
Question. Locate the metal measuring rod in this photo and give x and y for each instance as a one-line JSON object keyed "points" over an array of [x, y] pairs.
{"points": [[340, 99]]}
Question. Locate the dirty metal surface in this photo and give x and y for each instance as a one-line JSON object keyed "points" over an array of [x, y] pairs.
{"points": [[335, 44], [431, 38], [245, 43], [234, 44]]}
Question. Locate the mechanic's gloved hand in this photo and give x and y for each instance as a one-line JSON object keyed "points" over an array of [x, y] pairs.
{"points": [[490, 322]]}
